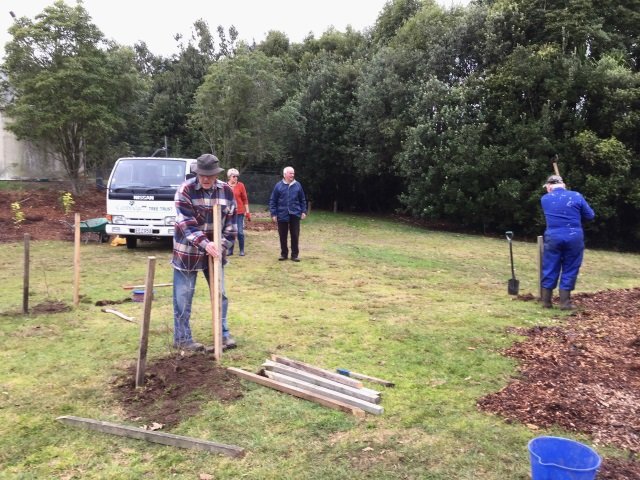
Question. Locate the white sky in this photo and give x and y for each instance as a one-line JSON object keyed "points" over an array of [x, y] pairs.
{"points": [[156, 22]]}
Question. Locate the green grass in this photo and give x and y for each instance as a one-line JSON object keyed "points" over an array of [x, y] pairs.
{"points": [[428, 310]]}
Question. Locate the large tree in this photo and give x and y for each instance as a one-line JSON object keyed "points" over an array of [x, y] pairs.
{"points": [[66, 86], [241, 111]]}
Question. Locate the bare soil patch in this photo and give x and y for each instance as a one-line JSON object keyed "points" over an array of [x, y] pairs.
{"points": [[45, 218], [175, 388], [50, 307]]}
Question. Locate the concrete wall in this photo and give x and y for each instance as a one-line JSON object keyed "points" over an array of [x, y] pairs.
{"points": [[21, 160]]}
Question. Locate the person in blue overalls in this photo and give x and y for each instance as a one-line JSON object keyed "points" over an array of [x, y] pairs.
{"points": [[564, 211]]}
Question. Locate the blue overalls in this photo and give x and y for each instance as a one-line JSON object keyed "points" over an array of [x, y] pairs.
{"points": [[564, 211]]}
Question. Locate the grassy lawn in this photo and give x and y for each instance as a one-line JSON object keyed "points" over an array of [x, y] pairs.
{"points": [[427, 310]]}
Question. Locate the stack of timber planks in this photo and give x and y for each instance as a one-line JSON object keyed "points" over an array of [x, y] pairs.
{"points": [[315, 384]]}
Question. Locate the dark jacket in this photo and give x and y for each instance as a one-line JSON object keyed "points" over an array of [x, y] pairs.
{"points": [[286, 200]]}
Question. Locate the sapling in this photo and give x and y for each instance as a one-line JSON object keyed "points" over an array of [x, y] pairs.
{"points": [[17, 213], [67, 202]]}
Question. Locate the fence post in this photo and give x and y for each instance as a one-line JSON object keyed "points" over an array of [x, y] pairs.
{"points": [[540, 252], [25, 278]]}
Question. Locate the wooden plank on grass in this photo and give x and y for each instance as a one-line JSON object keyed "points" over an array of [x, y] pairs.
{"points": [[325, 392], [297, 392], [321, 372], [119, 314], [362, 393], [153, 436]]}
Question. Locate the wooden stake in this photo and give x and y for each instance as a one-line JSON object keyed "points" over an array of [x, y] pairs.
{"points": [[152, 436], [316, 371], [362, 376], [365, 394], [146, 318], [540, 253], [25, 278], [131, 287], [215, 266], [76, 262], [298, 392], [326, 392]]}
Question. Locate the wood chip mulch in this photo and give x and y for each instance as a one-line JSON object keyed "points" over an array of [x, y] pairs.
{"points": [[582, 375]]}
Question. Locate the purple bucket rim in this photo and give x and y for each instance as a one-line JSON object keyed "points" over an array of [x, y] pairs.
{"points": [[568, 440]]}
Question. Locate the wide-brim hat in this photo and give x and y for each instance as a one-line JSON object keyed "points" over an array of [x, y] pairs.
{"points": [[208, 164]]}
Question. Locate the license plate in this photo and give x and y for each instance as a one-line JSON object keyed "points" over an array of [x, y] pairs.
{"points": [[143, 231]]}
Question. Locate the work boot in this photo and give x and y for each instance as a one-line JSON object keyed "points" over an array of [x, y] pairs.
{"points": [[228, 343], [565, 300], [547, 294], [189, 346]]}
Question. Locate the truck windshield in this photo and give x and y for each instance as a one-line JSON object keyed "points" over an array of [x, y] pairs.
{"points": [[148, 173]]}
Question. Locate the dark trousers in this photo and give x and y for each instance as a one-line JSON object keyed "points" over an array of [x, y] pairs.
{"points": [[292, 227]]}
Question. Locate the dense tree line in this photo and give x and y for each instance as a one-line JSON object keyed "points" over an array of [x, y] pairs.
{"points": [[444, 114]]}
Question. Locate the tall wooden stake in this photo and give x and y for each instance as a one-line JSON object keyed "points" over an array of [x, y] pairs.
{"points": [[146, 320], [540, 252], [215, 267], [25, 278], [76, 262]]}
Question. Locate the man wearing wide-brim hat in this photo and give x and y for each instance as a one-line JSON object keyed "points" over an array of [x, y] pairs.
{"points": [[193, 241], [564, 211]]}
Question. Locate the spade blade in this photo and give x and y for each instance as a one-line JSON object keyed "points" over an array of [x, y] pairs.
{"points": [[513, 286]]}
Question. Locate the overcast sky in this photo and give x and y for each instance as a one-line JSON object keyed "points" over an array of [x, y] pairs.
{"points": [[156, 22]]}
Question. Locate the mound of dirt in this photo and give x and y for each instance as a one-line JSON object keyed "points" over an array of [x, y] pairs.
{"points": [[175, 388]]}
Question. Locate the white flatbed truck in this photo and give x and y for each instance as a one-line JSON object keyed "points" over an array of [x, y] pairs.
{"points": [[140, 197]]}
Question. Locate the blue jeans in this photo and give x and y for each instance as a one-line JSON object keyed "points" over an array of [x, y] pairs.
{"points": [[184, 284], [240, 227]]}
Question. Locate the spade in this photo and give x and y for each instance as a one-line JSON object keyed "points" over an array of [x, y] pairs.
{"points": [[513, 285]]}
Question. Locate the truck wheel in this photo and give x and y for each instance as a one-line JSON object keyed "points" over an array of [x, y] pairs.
{"points": [[132, 242]]}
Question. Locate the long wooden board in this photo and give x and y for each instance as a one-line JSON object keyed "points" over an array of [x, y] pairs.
{"points": [[215, 277], [298, 392], [119, 314], [153, 436], [362, 393], [317, 371], [325, 392]]}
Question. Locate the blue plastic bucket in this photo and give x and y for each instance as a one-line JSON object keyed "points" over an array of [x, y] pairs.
{"points": [[138, 295], [557, 458]]}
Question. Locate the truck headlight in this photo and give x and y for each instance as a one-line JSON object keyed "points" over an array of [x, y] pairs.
{"points": [[169, 220], [118, 219]]}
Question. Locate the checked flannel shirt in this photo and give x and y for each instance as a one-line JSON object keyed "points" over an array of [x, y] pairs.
{"points": [[194, 223]]}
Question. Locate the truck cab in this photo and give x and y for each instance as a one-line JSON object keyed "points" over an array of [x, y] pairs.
{"points": [[140, 196]]}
